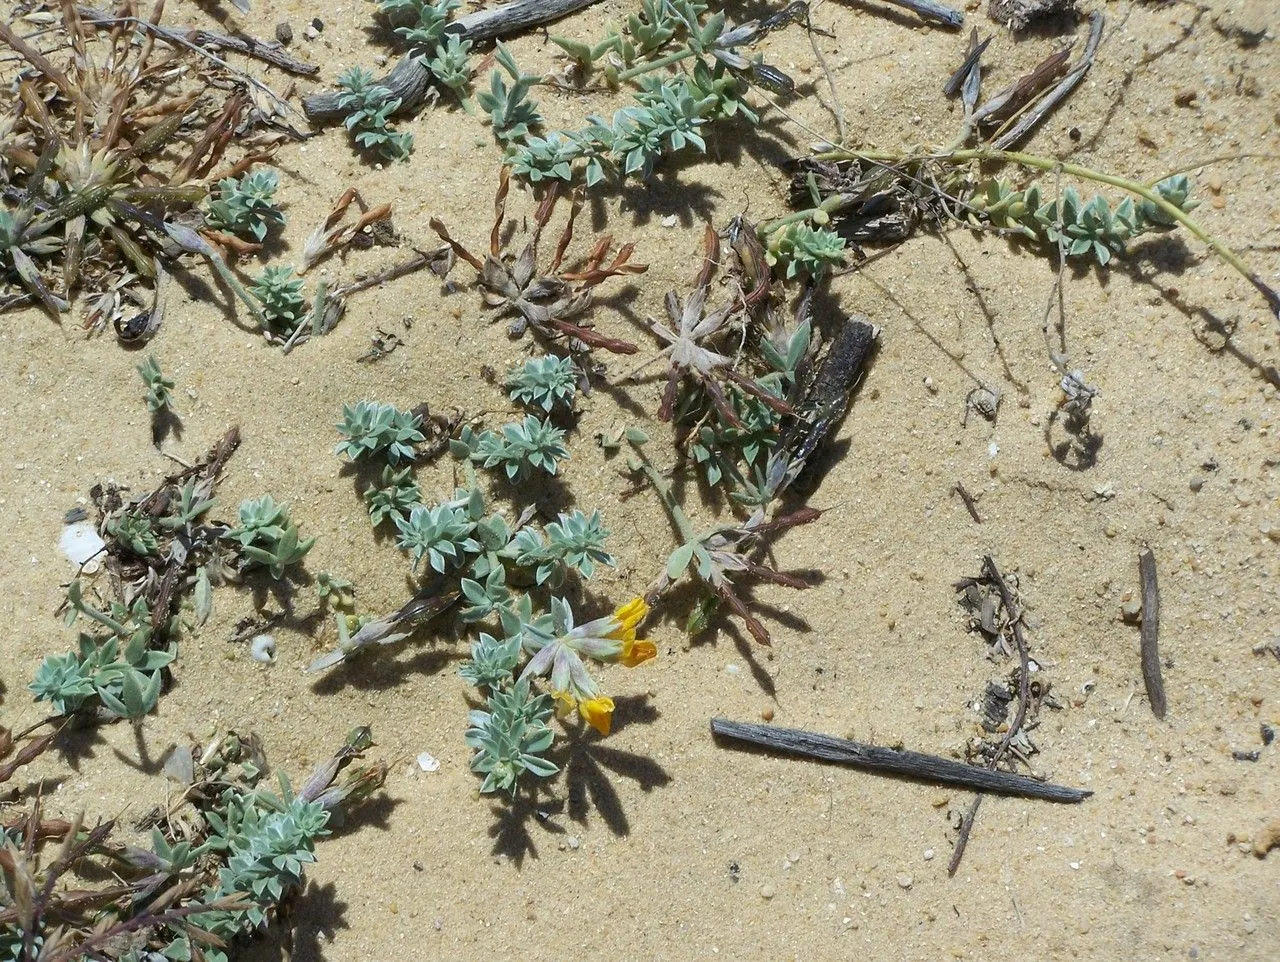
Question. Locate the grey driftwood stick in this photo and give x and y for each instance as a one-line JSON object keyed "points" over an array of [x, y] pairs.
{"points": [[876, 758], [1151, 633], [409, 80], [929, 10]]}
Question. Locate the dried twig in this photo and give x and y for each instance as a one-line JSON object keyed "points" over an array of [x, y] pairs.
{"points": [[969, 503], [993, 575], [877, 758], [268, 52], [1151, 633]]}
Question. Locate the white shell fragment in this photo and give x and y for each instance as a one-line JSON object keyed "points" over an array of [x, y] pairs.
{"points": [[428, 762], [82, 545], [263, 648]]}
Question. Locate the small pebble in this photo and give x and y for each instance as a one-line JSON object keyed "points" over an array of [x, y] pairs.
{"points": [[311, 33], [284, 33], [928, 855], [1196, 484], [670, 220], [905, 881], [317, 24], [428, 762], [1214, 183], [930, 386], [767, 891], [1131, 610], [573, 842], [767, 714]]}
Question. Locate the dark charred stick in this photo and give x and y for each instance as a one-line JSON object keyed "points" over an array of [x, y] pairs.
{"points": [[969, 503], [267, 52], [933, 11], [876, 758], [409, 80], [825, 402], [1151, 633]]}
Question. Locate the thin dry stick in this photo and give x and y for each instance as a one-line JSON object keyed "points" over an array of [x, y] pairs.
{"points": [[1020, 716], [1151, 633], [837, 108], [969, 503]]}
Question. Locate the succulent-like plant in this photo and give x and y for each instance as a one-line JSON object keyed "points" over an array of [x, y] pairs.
{"points": [[805, 250], [1092, 229], [134, 532], [395, 495], [575, 540], [159, 387], [267, 536], [246, 207], [492, 661], [280, 295], [511, 112], [545, 382], [510, 737], [369, 108], [441, 534], [518, 449], [370, 428]]}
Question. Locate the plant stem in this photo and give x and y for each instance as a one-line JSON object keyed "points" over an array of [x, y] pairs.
{"points": [[986, 154], [658, 64], [663, 487]]}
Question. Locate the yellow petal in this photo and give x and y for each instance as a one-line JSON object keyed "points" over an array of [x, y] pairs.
{"points": [[637, 652], [565, 703], [628, 616], [597, 712]]}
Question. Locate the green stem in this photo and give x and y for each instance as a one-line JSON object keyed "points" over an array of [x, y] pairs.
{"points": [[667, 61], [985, 154], [668, 498], [101, 617]]}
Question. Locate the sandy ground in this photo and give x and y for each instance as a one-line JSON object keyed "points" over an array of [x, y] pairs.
{"points": [[668, 846]]}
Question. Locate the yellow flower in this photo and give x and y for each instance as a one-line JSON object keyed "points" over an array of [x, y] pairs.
{"points": [[634, 651], [565, 703], [597, 712], [628, 616]]}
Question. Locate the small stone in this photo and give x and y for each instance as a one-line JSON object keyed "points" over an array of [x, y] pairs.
{"points": [[317, 24], [1267, 839], [1131, 610], [767, 714], [1214, 183], [573, 842], [905, 881], [1196, 484], [930, 386], [311, 33], [928, 855], [670, 221], [284, 33], [767, 891]]}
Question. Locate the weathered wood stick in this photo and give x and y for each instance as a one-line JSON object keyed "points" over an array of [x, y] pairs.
{"points": [[930, 10], [876, 758], [270, 53], [1151, 633], [409, 80]]}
